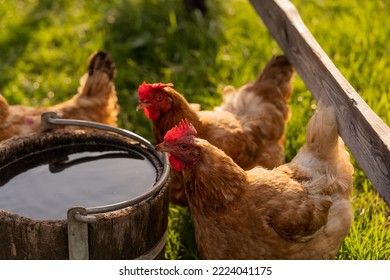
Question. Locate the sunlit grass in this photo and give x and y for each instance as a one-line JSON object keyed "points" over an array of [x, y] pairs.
{"points": [[44, 46]]}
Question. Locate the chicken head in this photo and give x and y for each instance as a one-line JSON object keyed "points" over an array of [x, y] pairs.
{"points": [[153, 99]]}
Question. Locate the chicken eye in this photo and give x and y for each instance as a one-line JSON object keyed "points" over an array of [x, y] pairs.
{"points": [[159, 97], [183, 147]]}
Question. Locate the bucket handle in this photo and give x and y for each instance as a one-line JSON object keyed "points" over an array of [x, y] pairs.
{"points": [[51, 119]]}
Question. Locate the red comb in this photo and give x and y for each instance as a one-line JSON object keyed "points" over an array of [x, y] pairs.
{"points": [[145, 89], [184, 128]]}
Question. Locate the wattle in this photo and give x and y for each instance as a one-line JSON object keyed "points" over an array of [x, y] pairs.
{"points": [[176, 163], [152, 113]]}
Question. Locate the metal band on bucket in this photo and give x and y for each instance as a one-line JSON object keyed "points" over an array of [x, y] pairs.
{"points": [[155, 251]]}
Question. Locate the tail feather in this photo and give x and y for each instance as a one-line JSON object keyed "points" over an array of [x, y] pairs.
{"points": [[96, 98], [101, 61], [324, 156], [279, 71], [262, 105], [321, 132], [98, 81]]}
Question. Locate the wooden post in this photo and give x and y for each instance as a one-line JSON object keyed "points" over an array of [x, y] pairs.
{"points": [[365, 134]]}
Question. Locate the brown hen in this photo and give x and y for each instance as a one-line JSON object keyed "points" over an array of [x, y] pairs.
{"points": [[299, 210], [96, 101], [249, 125]]}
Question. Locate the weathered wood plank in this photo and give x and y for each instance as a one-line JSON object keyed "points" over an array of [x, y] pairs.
{"points": [[365, 134]]}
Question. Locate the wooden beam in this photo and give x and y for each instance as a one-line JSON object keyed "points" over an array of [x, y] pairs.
{"points": [[365, 134]]}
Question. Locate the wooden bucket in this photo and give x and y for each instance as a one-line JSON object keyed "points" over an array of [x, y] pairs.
{"points": [[134, 228]]}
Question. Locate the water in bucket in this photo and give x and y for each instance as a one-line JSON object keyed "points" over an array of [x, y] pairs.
{"points": [[89, 179]]}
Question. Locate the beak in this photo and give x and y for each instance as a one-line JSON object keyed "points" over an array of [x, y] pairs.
{"points": [[142, 105], [162, 147]]}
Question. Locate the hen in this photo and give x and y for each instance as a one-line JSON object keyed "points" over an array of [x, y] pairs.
{"points": [[248, 126], [299, 210], [96, 101]]}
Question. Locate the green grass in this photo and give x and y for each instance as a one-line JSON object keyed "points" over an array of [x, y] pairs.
{"points": [[44, 46]]}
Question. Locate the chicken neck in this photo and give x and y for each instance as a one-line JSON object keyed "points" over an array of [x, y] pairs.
{"points": [[214, 183], [180, 109]]}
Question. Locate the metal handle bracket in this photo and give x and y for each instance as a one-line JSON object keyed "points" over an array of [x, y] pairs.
{"points": [[78, 233]]}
